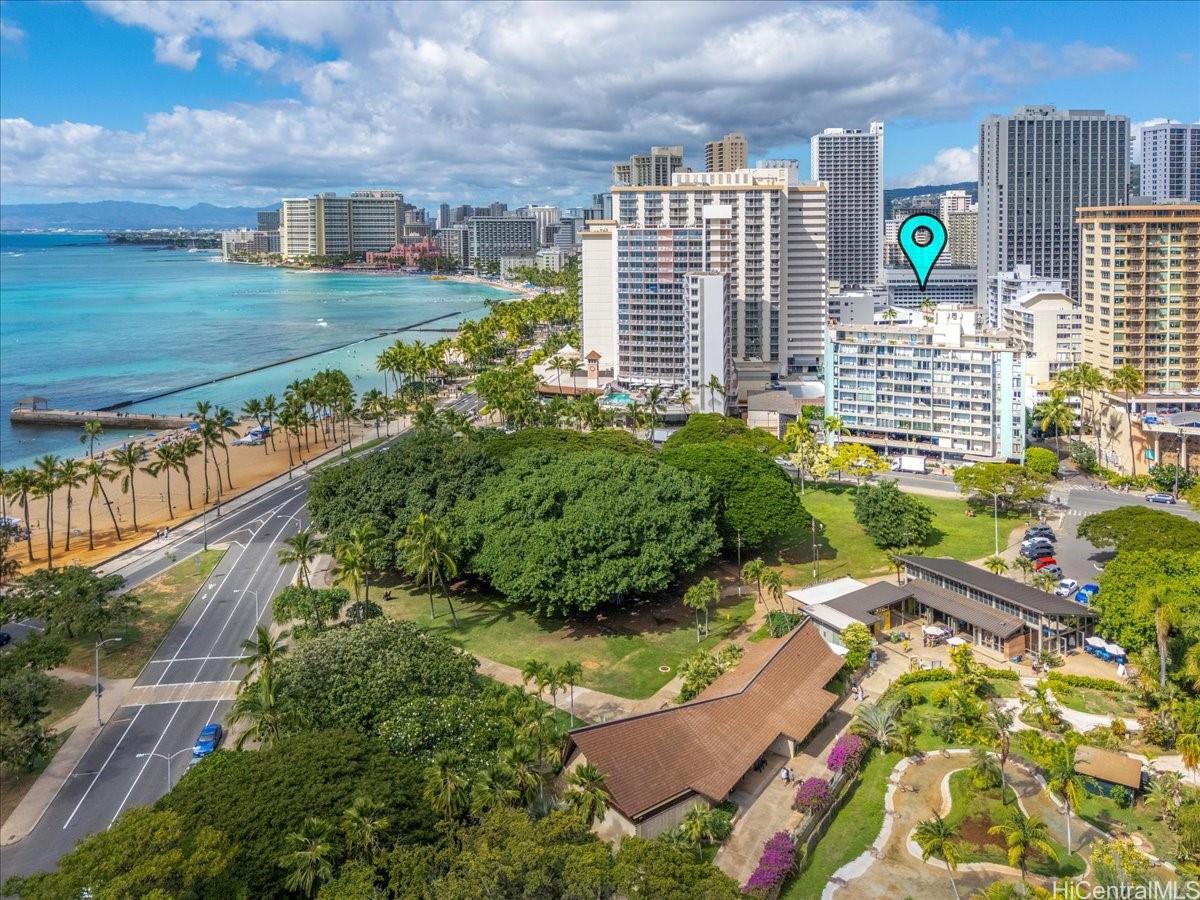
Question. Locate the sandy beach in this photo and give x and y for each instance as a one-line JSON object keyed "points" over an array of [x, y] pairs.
{"points": [[249, 466]]}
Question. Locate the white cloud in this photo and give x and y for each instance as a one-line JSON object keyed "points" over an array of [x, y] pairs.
{"points": [[11, 31], [468, 101], [949, 166]]}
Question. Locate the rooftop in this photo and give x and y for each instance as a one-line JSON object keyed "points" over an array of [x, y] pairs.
{"points": [[998, 586], [707, 745], [1108, 765]]}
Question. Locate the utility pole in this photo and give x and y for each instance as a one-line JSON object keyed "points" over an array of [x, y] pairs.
{"points": [[739, 551], [98, 646]]}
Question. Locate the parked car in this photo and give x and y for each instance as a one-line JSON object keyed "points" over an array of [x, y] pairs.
{"points": [[1086, 593], [5, 637], [1044, 562], [1054, 569], [1040, 551], [1040, 531], [1160, 498], [1091, 588], [1032, 543], [1066, 587], [208, 740]]}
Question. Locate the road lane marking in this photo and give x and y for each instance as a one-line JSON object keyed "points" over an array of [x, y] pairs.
{"points": [[188, 659], [149, 757], [99, 771]]}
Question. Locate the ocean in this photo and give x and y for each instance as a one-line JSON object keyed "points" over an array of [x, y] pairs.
{"points": [[87, 324]]}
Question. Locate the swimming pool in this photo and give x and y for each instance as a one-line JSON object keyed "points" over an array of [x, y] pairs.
{"points": [[619, 399]]}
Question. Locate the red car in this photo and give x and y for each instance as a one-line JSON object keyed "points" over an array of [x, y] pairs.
{"points": [[1043, 562]]}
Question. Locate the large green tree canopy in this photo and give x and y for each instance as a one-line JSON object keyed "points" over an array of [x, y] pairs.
{"points": [[714, 428], [754, 496], [568, 533], [1124, 617], [1137, 528], [428, 471], [1013, 485], [890, 517]]}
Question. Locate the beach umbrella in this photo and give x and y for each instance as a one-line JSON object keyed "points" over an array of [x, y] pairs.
{"points": [[933, 629], [956, 642], [1094, 641], [1115, 649]]}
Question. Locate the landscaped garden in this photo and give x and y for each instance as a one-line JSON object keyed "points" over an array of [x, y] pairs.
{"points": [[976, 807], [1129, 818], [1094, 695], [622, 651]]}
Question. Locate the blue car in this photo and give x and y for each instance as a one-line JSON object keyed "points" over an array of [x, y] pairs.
{"points": [[207, 742], [1086, 593]]}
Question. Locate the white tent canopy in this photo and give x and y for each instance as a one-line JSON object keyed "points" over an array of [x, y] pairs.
{"points": [[933, 629], [956, 642], [1094, 641], [1115, 649]]}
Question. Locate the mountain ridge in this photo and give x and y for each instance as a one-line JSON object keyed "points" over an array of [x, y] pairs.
{"points": [[122, 214]]}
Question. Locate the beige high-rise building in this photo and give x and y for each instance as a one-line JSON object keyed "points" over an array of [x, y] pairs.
{"points": [[850, 162], [1140, 290], [962, 236], [327, 225], [653, 168], [726, 155]]}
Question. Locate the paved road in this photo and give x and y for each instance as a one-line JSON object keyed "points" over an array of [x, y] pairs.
{"points": [[197, 654]]}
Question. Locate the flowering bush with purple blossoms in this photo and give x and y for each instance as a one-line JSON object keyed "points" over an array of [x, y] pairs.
{"points": [[846, 753], [813, 793], [778, 856]]}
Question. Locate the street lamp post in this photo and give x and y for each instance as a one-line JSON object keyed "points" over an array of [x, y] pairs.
{"points": [[204, 518], [98, 646], [739, 551], [168, 758], [815, 555]]}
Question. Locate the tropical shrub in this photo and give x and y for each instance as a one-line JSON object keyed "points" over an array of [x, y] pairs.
{"points": [[857, 639], [774, 865], [1042, 461], [1120, 795], [780, 623], [703, 668], [846, 754], [1086, 681], [1083, 456], [1167, 476], [812, 794], [890, 517], [923, 676]]}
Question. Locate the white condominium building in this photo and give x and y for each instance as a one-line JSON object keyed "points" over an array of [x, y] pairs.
{"points": [[952, 202], [545, 216], [1171, 162], [851, 163], [1036, 167], [326, 225], [946, 388], [766, 230], [490, 237], [947, 286], [1005, 287], [1049, 327]]}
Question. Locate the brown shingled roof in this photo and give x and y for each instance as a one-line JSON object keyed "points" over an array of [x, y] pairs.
{"points": [[1110, 766], [707, 745]]}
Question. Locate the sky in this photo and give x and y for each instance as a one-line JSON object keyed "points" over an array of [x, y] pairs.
{"points": [[241, 103]]}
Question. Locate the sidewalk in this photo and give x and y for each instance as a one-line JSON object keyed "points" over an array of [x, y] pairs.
{"points": [[29, 811]]}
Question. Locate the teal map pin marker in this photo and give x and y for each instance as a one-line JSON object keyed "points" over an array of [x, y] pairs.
{"points": [[922, 238]]}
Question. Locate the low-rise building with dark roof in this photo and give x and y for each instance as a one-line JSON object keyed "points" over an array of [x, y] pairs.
{"points": [[1108, 769], [660, 764]]}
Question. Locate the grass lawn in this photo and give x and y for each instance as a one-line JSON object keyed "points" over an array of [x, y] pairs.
{"points": [[845, 550], [13, 788], [974, 811], [854, 828], [163, 599], [1092, 700], [65, 698], [620, 650], [1108, 816]]}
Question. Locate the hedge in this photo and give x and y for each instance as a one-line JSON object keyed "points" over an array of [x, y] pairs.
{"points": [[1002, 674], [923, 676], [1086, 681]]}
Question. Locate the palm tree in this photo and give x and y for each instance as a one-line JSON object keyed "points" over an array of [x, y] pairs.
{"points": [[20, 484], [834, 427], [928, 309], [493, 788], [253, 409], [270, 408], [1026, 837], [1091, 381], [364, 829], [715, 387], [895, 556], [92, 429], [1128, 381], [1068, 382], [365, 538], [1025, 566], [46, 468], [879, 723], [536, 671], [773, 581], [1044, 581], [97, 472], [570, 672], [71, 475], [996, 565], [1062, 779], [985, 771], [225, 425], [685, 400], [1000, 721], [349, 565], [936, 837], [261, 652], [655, 405], [1188, 746], [587, 793], [890, 315], [129, 457], [183, 451], [427, 557], [755, 570], [300, 550], [1055, 413], [1158, 600], [446, 788], [258, 703], [310, 856], [165, 459]]}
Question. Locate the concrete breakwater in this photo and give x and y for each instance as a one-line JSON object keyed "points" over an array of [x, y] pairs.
{"points": [[108, 418]]}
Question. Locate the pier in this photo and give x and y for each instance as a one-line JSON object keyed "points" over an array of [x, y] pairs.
{"points": [[23, 415]]}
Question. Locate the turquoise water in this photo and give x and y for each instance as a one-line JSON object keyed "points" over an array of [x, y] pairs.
{"points": [[87, 324]]}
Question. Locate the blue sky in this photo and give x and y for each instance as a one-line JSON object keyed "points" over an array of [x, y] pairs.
{"points": [[187, 101]]}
